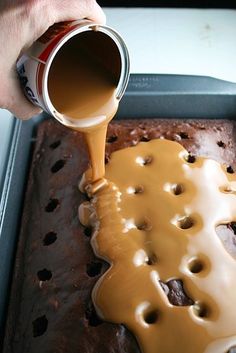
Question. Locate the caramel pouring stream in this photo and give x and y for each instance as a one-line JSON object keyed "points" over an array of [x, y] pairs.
{"points": [[82, 83]]}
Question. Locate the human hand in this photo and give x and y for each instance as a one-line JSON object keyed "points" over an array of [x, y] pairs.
{"points": [[21, 23]]}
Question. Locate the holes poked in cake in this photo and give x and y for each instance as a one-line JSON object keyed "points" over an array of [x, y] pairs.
{"points": [[151, 259], [49, 238], [227, 235], [91, 316], [111, 139], [147, 314], [141, 258], [55, 144], [151, 317], [232, 226], [177, 189], [230, 170], [88, 231], [52, 205], [190, 158], [185, 222], [144, 225], [144, 161], [196, 265], [58, 165], [221, 144], [44, 275], [40, 326], [145, 138], [107, 158], [175, 292], [138, 189], [201, 310], [147, 160], [94, 269], [183, 135]]}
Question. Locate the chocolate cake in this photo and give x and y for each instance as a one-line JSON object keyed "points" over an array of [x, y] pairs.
{"points": [[50, 308]]}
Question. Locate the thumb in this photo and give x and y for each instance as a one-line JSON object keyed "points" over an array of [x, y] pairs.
{"points": [[73, 9]]}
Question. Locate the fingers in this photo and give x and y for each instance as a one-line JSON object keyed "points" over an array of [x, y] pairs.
{"points": [[16, 101], [77, 9], [97, 15]]}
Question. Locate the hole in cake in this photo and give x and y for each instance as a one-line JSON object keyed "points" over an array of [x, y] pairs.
{"points": [[58, 165], [44, 275], [152, 260], [147, 160], [52, 205], [177, 189], [112, 138], [40, 326], [185, 222], [146, 226], [195, 266], [174, 290], [201, 310], [230, 170], [144, 160], [49, 238], [88, 231], [139, 189], [92, 317], [107, 159], [183, 135], [190, 158], [233, 227], [145, 139], [55, 144], [227, 235], [232, 350], [151, 317], [221, 144], [94, 269]]}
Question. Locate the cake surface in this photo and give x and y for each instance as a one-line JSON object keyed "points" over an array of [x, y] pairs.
{"points": [[55, 268]]}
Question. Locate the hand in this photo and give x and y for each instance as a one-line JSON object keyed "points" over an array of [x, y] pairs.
{"points": [[21, 23]]}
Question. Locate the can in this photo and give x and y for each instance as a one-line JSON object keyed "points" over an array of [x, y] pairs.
{"points": [[34, 66]]}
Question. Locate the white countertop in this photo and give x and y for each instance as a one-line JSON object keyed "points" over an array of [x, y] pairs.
{"points": [[179, 41]]}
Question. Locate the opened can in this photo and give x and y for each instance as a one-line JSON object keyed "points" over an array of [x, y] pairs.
{"points": [[100, 43]]}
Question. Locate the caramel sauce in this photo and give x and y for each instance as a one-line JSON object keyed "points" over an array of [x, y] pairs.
{"points": [[155, 221], [82, 85]]}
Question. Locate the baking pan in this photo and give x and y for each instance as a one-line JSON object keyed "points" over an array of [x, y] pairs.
{"points": [[147, 96]]}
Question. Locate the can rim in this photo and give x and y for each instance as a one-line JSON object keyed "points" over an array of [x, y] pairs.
{"points": [[125, 63]]}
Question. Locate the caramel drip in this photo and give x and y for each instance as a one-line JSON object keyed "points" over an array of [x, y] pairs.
{"points": [[82, 85], [156, 221]]}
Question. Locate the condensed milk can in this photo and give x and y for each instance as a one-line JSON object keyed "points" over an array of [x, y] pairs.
{"points": [[72, 70]]}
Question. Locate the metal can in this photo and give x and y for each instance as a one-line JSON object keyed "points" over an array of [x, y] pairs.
{"points": [[34, 67]]}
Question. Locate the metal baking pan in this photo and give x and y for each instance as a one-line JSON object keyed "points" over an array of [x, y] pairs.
{"points": [[147, 96]]}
